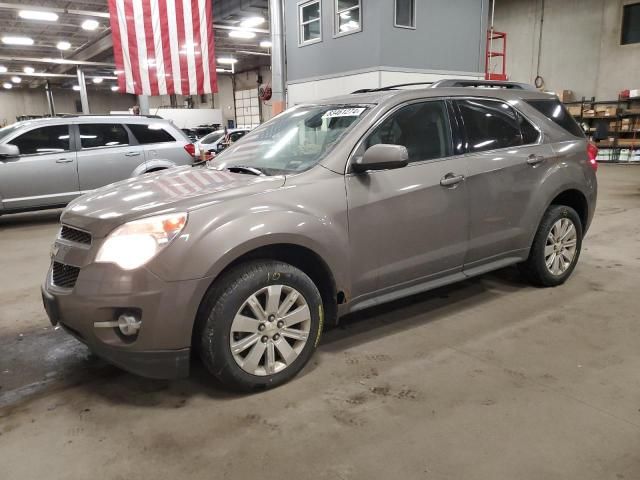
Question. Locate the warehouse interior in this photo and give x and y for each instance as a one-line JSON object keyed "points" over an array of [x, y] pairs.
{"points": [[418, 356]]}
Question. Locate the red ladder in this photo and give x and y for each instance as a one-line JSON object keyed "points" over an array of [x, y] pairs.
{"points": [[493, 52]]}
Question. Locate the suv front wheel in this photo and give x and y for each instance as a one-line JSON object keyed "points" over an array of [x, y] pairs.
{"points": [[260, 324], [556, 247]]}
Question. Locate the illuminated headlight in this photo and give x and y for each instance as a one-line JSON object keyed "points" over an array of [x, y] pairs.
{"points": [[135, 243]]}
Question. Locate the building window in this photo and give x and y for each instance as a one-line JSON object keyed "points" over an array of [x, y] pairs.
{"points": [[631, 24], [405, 13], [348, 17], [310, 20]]}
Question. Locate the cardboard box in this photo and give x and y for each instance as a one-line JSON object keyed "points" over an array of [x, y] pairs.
{"points": [[566, 96], [589, 113], [574, 110]]}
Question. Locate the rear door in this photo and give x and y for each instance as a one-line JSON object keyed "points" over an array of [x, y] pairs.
{"points": [[505, 162], [106, 154], [44, 174], [160, 144]]}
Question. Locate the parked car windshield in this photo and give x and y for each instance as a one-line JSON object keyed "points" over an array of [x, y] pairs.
{"points": [[212, 137], [294, 141]]}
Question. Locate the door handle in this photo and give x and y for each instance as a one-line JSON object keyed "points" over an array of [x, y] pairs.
{"points": [[451, 179], [132, 154], [535, 159], [64, 160]]}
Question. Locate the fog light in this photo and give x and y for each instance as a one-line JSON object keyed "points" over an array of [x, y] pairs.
{"points": [[128, 324]]}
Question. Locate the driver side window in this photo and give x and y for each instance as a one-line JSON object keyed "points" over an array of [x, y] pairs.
{"points": [[423, 128], [52, 139]]}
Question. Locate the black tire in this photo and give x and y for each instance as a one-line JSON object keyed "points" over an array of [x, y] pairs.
{"points": [[223, 301], [535, 268]]}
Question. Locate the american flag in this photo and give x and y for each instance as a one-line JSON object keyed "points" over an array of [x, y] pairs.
{"points": [[164, 47]]}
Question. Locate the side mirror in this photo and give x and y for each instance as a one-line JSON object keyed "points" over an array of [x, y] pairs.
{"points": [[382, 157], [7, 151], [220, 147]]}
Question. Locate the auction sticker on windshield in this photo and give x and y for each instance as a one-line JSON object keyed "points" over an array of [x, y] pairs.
{"points": [[344, 112]]}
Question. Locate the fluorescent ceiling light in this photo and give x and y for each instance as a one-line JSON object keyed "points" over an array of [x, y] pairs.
{"points": [[38, 15], [16, 79], [90, 24], [17, 40], [97, 80], [3, 69], [114, 88], [252, 22], [7, 85], [242, 34], [63, 45], [76, 88], [118, 72], [223, 70], [266, 44], [227, 60], [28, 70]]}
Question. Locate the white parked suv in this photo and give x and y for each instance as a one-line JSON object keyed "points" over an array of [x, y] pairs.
{"points": [[46, 163]]}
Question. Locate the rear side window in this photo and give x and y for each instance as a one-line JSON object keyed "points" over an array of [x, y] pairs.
{"points": [[421, 127], [146, 134], [94, 135], [554, 110], [53, 139], [490, 125]]}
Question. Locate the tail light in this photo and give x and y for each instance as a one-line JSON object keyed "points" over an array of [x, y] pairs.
{"points": [[592, 151], [191, 149]]}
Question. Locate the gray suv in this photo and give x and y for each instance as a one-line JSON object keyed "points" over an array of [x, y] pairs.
{"points": [[326, 209], [46, 163]]}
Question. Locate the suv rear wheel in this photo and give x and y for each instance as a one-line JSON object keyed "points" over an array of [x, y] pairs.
{"points": [[260, 324], [556, 247]]}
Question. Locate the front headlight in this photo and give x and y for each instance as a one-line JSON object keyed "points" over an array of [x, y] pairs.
{"points": [[135, 243]]}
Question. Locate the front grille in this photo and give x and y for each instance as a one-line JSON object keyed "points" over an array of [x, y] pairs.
{"points": [[64, 276], [74, 235]]}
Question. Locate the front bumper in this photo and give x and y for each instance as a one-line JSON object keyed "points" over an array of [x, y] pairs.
{"points": [[102, 292]]}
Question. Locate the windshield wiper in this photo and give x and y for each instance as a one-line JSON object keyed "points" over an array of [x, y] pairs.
{"points": [[243, 169]]}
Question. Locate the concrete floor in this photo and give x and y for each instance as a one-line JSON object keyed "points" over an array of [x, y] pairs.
{"points": [[489, 379]]}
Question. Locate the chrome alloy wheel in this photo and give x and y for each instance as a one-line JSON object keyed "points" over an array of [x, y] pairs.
{"points": [[560, 249], [270, 330]]}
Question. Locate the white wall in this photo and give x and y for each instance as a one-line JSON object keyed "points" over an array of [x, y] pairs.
{"points": [[581, 48], [24, 101]]}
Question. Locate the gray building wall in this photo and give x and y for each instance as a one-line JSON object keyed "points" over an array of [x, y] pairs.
{"points": [[449, 37], [581, 48]]}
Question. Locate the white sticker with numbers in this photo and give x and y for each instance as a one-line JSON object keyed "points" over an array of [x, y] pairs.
{"points": [[344, 112]]}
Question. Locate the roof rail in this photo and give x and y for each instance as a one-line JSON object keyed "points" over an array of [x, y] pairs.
{"points": [[391, 87], [80, 115], [449, 83]]}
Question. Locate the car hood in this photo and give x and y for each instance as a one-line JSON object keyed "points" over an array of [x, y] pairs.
{"points": [[177, 190]]}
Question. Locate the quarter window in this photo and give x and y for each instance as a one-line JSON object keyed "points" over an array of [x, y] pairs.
{"points": [[146, 134], [490, 125], [405, 13], [555, 111], [423, 128], [310, 21], [530, 134], [93, 135], [347, 17], [53, 139], [631, 24]]}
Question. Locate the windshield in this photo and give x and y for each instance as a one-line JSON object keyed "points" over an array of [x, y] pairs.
{"points": [[212, 137], [6, 131], [294, 141]]}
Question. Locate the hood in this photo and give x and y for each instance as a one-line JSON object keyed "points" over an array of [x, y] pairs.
{"points": [[176, 190]]}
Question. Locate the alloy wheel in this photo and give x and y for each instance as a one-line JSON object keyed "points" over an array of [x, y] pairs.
{"points": [[560, 249], [270, 330]]}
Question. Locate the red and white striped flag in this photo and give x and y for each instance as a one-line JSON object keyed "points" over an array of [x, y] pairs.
{"points": [[164, 47]]}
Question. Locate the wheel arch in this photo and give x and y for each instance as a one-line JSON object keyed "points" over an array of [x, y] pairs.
{"points": [[575, 199], [301, 257]]}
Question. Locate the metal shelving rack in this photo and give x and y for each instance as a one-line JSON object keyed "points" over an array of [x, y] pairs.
{"points": [[619, 137]]}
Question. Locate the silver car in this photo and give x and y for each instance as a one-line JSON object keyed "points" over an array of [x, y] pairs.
{"points": [[212, 141], [326, 209], [46, 163]]}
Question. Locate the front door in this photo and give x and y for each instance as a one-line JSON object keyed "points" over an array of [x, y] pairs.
{"points": [[106, 154], [409, 226], [44, 174]]}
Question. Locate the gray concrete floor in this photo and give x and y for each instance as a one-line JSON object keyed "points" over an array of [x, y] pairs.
{"points": [[489, 379]]}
